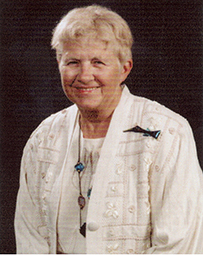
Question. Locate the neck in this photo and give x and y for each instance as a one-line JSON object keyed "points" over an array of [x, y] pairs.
{"points": [[93, 124]]}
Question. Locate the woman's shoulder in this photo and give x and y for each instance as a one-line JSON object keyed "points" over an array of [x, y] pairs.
{"points": [[55, 121], [153, 109], [156, 112]]}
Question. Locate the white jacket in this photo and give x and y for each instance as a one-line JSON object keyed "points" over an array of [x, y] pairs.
{"points": [[147, 195]]}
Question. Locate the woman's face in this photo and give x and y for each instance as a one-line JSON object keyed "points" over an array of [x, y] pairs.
{"points": [[91, 75]]}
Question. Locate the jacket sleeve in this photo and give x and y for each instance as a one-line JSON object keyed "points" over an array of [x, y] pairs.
{"points": [[30, 227], [177, 196]]}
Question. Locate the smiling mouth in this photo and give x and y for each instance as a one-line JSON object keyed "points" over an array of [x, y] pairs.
{"points": [[86, 89]]}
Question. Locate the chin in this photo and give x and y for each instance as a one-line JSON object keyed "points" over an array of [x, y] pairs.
{"points": [[88, 106]]}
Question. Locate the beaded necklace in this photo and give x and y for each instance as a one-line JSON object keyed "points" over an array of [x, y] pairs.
{"points": [[79, 167]]}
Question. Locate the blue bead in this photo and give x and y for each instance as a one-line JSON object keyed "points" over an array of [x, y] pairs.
{"points": [[89, 192], [79, 167]]}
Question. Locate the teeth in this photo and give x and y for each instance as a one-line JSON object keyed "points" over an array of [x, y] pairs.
{"points": [[87, 89]]}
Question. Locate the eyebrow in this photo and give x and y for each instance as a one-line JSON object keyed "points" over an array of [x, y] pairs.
{"points": [[68, 58]]}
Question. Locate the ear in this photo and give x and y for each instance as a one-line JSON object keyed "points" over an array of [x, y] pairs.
{"points": [[58, 58], [59, 68], [126, 69]]}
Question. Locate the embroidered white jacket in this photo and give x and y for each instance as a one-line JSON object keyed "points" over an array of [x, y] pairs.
{"points": [[147, 195]]}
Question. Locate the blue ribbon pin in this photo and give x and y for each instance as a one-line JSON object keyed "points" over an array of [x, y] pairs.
{"points": [[146, 132]]}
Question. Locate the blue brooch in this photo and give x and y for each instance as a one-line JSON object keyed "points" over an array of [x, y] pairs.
{"points": [[146, 132]]}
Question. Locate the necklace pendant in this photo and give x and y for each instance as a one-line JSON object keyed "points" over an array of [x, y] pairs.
{"points": [[83, 230], [81, 202], [79, 167]]}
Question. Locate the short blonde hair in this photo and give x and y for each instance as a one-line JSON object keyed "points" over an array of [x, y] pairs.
{"points": [[95, 22]]}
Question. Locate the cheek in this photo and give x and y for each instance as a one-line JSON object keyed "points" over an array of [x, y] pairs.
{"points": [[113, 79], [65, 82], [67, 90], [67, 77]]}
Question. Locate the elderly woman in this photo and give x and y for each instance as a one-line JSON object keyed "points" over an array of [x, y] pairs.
{"points": [[113, 173]]}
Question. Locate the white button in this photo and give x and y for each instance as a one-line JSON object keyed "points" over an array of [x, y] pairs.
{"points": [[131, 209], [93, 226], [111, 232], [171, 130], [157, 168], [43, 175], [132, 168], [51, 136], [114, 188]]}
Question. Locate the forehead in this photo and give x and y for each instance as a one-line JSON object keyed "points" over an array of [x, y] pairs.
{"points": [[89, 47]]}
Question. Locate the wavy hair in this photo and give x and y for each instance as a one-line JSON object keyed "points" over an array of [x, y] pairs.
{"points": [[94, 22]]}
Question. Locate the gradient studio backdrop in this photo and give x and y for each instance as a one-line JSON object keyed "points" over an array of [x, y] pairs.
{"points": [[167, 68]]}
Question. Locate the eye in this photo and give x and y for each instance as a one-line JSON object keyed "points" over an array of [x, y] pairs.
{"points": [[72, 62], [98, 62]]}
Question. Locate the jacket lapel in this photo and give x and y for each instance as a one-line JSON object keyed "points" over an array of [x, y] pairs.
{"points": [[106, 165]]}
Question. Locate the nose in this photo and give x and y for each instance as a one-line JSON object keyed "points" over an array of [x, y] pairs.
{"points": [[85, 74]]}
